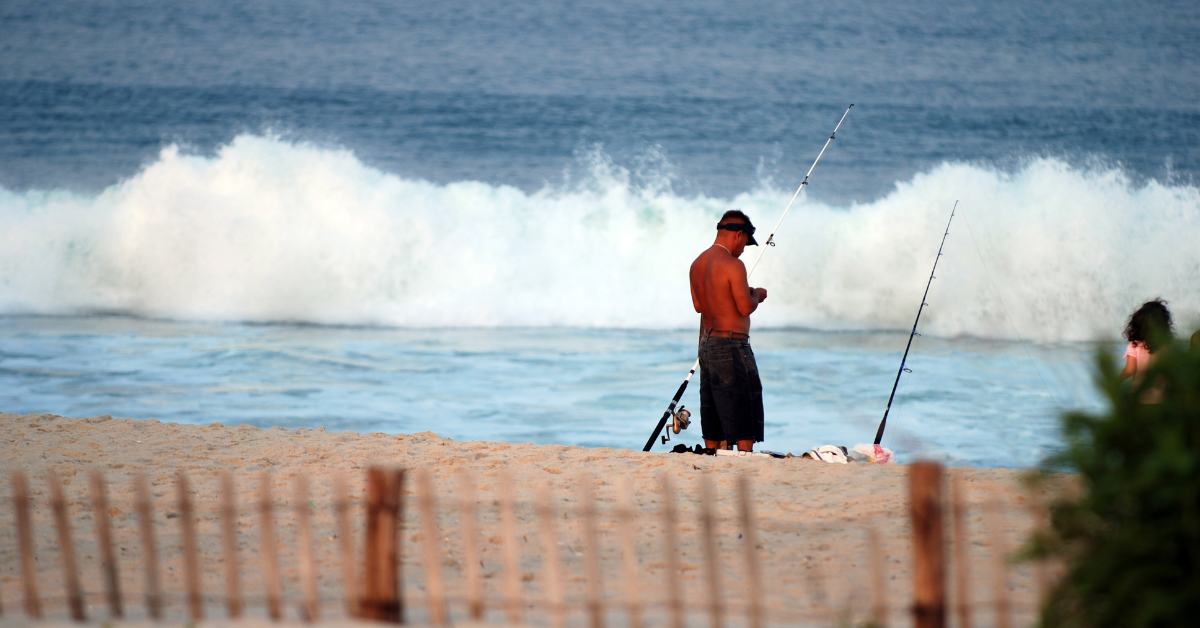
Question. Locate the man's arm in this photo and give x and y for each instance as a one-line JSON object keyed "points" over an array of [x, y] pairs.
{"points": [[744, 298]]}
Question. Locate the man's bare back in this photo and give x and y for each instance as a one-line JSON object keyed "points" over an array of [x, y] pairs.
{"points": [[730, 394], [720, 290]]}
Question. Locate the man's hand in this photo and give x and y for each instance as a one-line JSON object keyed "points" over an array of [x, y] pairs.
{"points": [[759, 294]]}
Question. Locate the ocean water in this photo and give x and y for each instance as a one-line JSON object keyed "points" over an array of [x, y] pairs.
{"points": [[477, 218]]}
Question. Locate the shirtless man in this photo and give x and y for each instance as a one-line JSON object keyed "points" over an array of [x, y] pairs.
{"points": [[731, 408]]}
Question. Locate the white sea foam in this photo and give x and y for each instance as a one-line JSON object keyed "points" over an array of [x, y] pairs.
{"points": [[268, 230]]}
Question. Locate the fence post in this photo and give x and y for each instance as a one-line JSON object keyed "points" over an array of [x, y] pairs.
{"points": [[304, 551], [381, 562], [108, 562], [470, 540], [233, 587], [510, 552], [750, 542], [962, 578], [145, 509], [191, 565], [879, 608], [625, 523], [341, 507], [670, 549], [33, 604], [591, 551], [712, 559], [270, 564], [434, 591], [929, 578], [550, 555], [66, 547], [995, 518]]}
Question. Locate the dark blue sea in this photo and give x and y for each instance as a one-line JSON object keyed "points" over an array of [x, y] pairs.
{"points": [[476, 218]]}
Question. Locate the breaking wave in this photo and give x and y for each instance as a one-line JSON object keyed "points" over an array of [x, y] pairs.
{"points": [[270, 230]]}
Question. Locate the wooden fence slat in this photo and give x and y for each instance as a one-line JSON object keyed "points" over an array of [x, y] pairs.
{"points": [[995, 522], [341, 508], [962, 575], [145, 510], [269, 550], [468, 517], [513, 601], [875, 557], [191, 562], [434, 590], [670, 550], [229, 513], [591, 551], [31, 601], [625, 523], [66, 547], [381, 561], [712, 558], [1041, 568], [550, 556], [929, 578], [308, 570], [750, 542], [108, 562]]}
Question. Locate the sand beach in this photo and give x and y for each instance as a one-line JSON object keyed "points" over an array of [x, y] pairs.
{"points": [[813, 518]]}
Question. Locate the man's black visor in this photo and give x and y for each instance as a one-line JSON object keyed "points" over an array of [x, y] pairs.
{"points": [[744, 227]]}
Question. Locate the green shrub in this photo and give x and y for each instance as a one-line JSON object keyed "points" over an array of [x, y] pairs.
{"points": [[1130, 536]]}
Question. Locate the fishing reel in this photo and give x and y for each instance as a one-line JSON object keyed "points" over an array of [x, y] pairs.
{"points": [[679, 421]]}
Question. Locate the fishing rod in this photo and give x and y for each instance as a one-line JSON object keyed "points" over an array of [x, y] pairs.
{"points": [[883, 423], [681, 422]]}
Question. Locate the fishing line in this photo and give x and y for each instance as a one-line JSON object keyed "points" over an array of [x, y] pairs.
{"points": [[1006, 316], [681, 422]]}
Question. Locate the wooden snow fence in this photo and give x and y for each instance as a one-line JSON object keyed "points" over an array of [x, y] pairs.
{"points": [[374, 580]]}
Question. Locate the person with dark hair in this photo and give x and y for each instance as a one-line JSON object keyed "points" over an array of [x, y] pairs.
{"points": [[731, 408], [1147, 331]]}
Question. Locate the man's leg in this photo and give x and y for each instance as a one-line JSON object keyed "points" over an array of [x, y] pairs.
{"points": [[745, 445]]}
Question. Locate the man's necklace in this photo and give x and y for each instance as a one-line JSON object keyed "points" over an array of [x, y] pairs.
{"points": [[726, 250]]}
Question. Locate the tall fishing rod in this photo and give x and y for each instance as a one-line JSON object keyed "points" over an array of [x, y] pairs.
{"points": [[883, 423], [770, 242]]}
